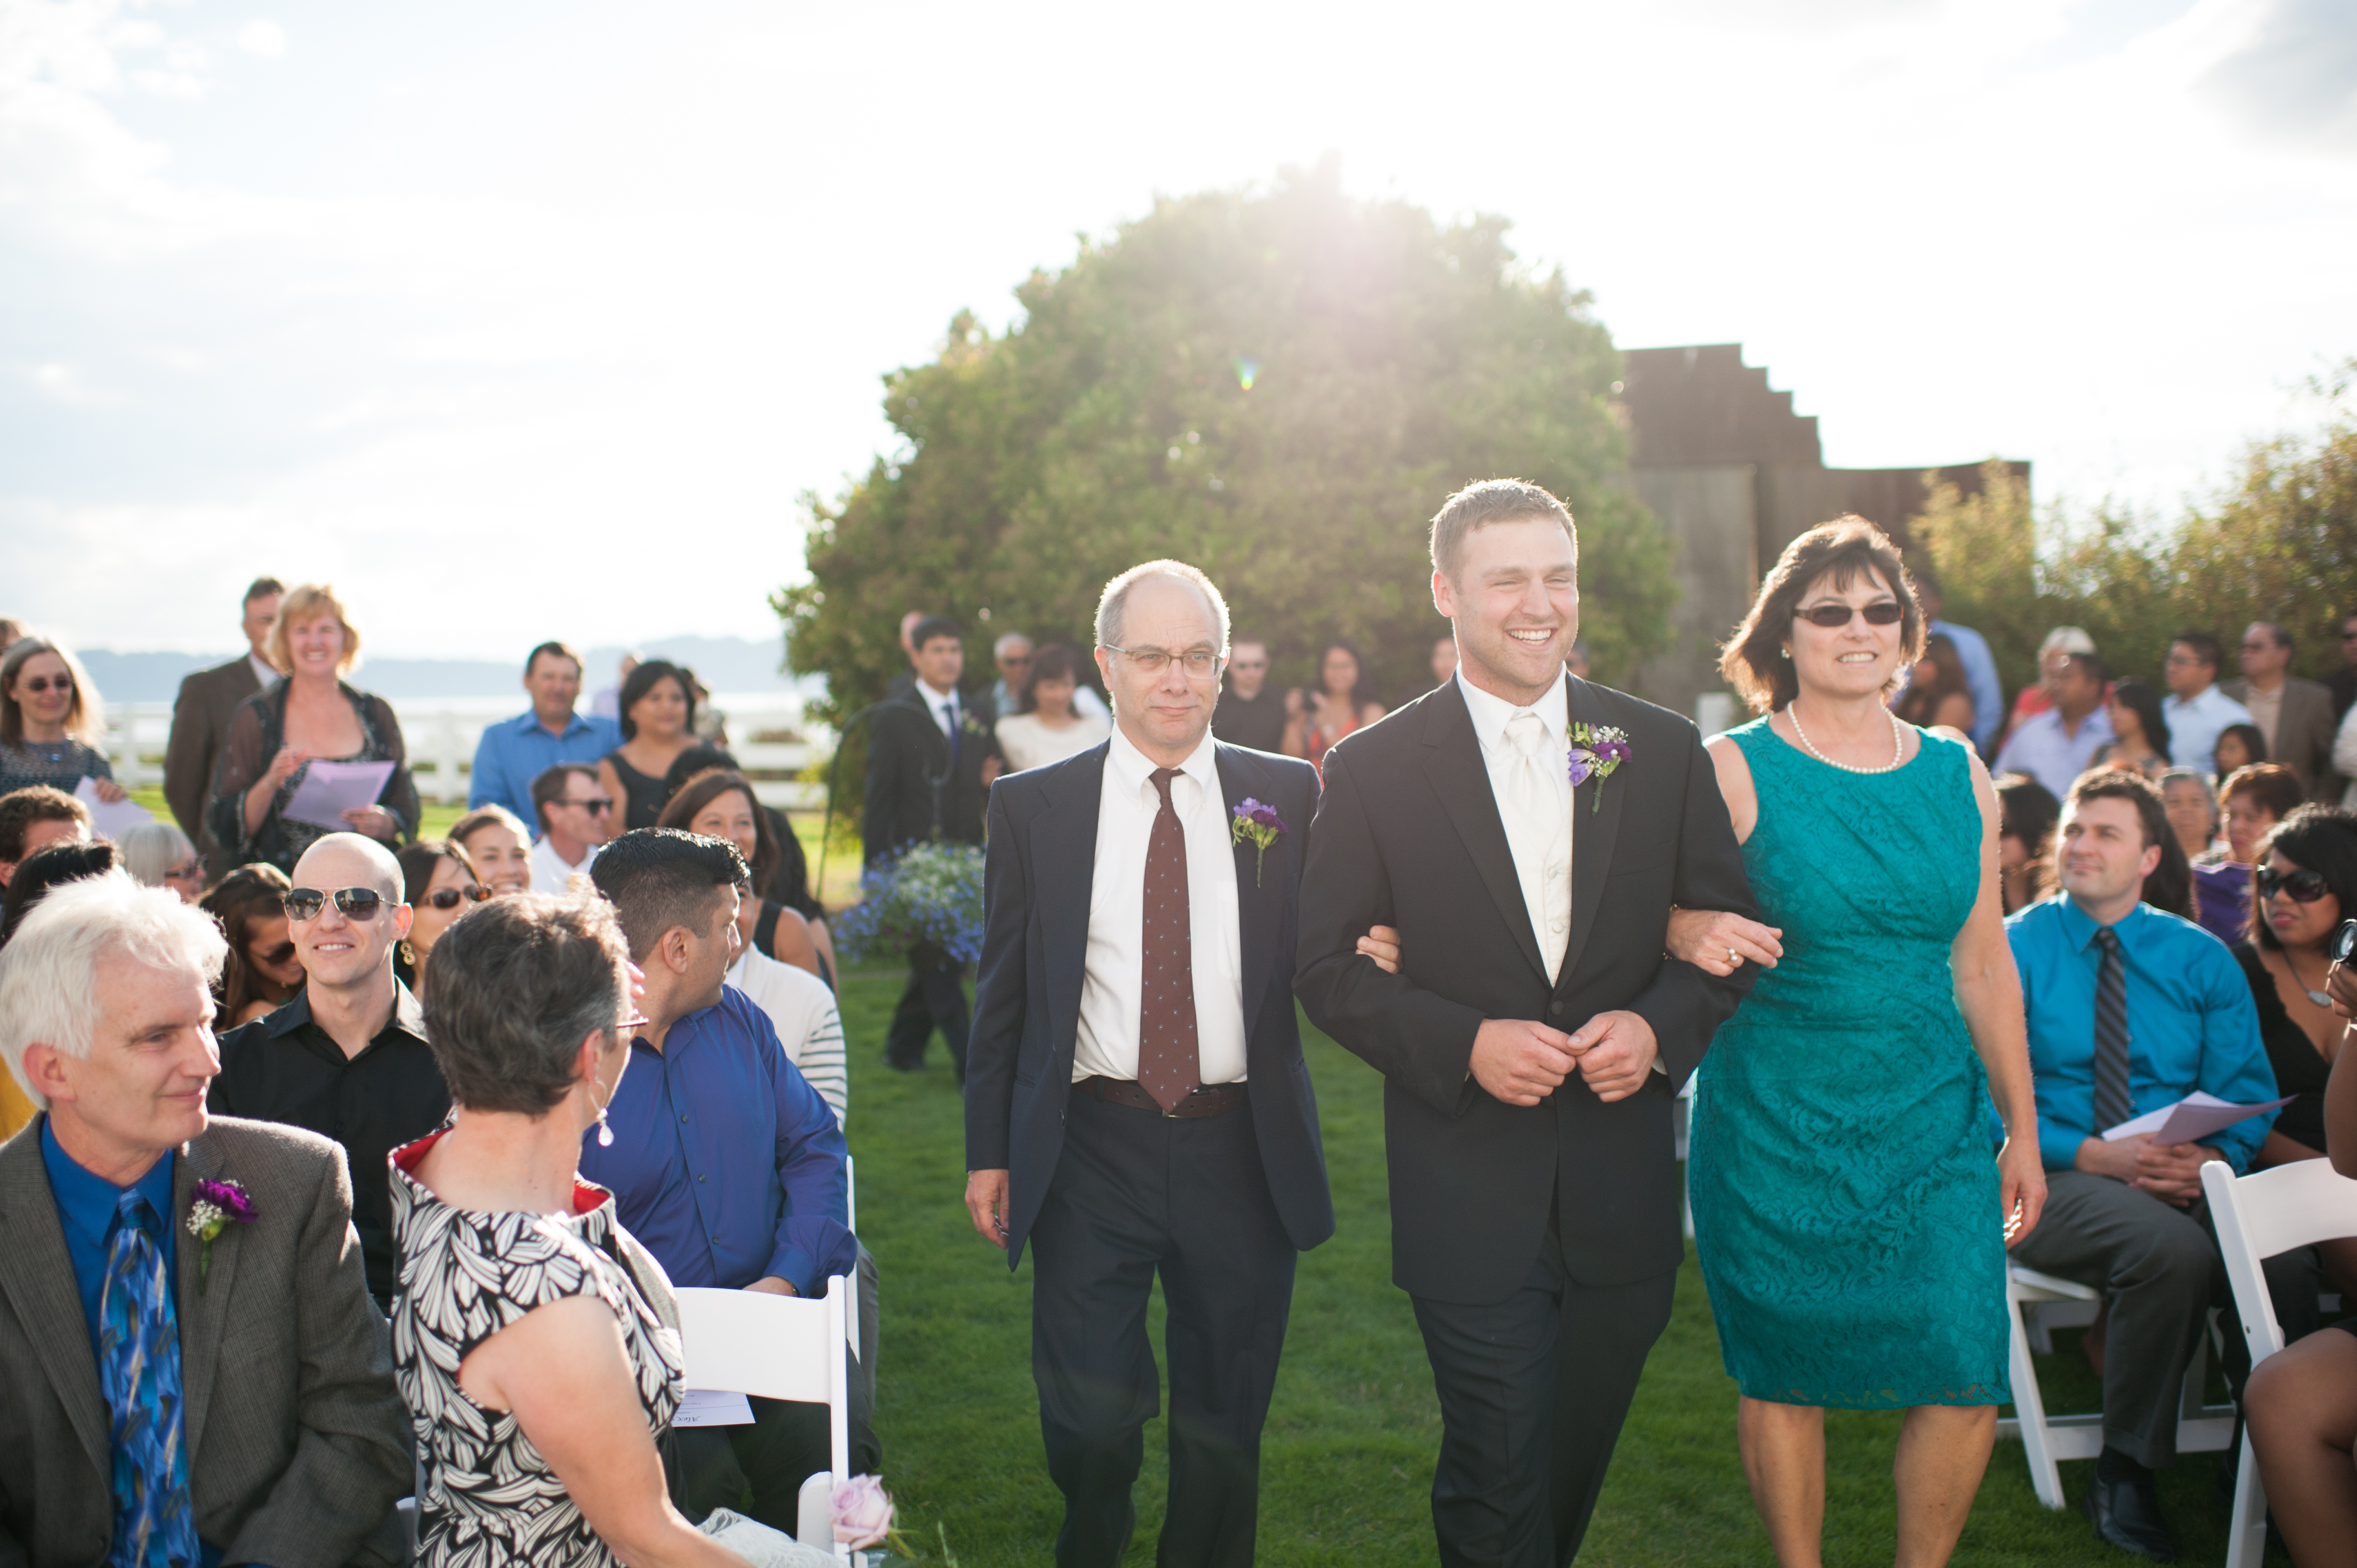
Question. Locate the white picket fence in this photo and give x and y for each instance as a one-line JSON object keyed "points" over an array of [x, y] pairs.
{"points": [[442, 736]]}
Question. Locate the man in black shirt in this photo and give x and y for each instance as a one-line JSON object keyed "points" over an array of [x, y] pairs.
{"points": [[347, 1058], [1249, 713]]}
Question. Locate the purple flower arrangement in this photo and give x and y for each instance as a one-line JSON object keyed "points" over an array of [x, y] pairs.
{"points": [[1597, 750], [1257, 823], [213, 1207]]}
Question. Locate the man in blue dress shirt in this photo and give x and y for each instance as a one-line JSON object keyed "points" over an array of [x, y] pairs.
{"points": [[514, 752], [726, 1164], [2131, 1010]]}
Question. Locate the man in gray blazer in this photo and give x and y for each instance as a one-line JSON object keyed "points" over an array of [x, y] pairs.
{"points": [[170, 1388], [2295, 714], [200, 716]]}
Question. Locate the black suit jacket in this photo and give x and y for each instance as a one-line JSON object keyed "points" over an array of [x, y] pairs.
{"points": [[1027, 1004], [200, 715], [1408, 835], [915, 792]]}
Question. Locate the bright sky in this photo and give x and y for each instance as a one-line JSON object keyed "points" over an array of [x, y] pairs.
{"points": [[532, 318]]}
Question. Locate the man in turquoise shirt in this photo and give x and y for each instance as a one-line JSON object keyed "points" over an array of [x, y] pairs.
{"points": [[514, 752], [2131, 1010]]}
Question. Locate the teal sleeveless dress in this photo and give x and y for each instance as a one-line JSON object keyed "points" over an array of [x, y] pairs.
{"points": [[1844, 1186]]}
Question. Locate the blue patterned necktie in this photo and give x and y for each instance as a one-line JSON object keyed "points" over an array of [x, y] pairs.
{"points": [[139, 1373]]}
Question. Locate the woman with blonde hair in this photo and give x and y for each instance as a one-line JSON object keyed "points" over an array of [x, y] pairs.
{"points": [[51, 720], [311, 716]]}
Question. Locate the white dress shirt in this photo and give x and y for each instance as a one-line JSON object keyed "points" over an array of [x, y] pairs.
{"points": [[262, 671], [550, 874], [944, 706], [1542, 849], [2194, 727], [1113, 990]]}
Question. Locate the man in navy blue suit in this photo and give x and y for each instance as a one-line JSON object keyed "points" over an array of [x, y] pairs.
{"points": [[1136, 1098]]}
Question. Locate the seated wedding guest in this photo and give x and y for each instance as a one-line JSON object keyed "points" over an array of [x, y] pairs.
{"points": [[208, 700], [718, 803], [2253, 799], [576, 816], [1972, 648], [2100, 968], [50, 721], [1444, 666], [658, 723], [538, 1348], [500, 846], [802, 1008], [159, 854], [2057, 745], [439, 882], [788, 884], [2192, 806], [2196, 709], [1251, 712], [309, 716], [1343, 702], [1012, 655], [514, 752], [263, 970], [1042, 725], [2038, 695], [2139, 730], [34, 817], [233, 1400], [1938, 691], [711, 1094], [2294, 715], [69, 860], [2239, 746], [348, 1058], [2027, 810], [2302, 1401]]}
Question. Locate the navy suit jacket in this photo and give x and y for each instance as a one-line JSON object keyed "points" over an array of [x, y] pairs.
{"points": [[1027, 1004]]}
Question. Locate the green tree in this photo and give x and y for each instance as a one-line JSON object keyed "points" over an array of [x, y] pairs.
{"points": [[1279, 386]]}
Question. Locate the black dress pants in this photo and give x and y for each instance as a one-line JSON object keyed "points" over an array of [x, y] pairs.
{"points": [[1136, 1193], [1532, 1391], [935, 999]]}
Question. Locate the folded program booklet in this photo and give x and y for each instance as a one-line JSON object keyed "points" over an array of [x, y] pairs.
{"points": [[2190, 1120]]}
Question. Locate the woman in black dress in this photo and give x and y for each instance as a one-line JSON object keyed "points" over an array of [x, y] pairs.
{"points": [[658, 723]]}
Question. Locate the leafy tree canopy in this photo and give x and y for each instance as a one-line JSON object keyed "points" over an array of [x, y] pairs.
{"points": [[1279, 386]]}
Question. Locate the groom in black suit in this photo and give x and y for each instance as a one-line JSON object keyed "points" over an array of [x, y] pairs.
{"points": [[1135, 1099], [1536, 1036]]}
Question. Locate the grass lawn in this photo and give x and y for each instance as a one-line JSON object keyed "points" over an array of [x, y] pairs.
{"points": [[1346, 1462]]}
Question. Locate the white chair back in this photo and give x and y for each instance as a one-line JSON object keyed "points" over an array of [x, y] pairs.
{"points": [[776, 1347]]}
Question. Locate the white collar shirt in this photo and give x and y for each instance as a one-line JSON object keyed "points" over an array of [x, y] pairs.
{"points": [[1541, 853], [550, 874], [944, 706], [2195, 725], [1113, 990], [262, 673]]}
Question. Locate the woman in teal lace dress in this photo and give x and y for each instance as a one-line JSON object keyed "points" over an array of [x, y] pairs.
{"points": [[1851, 1217]]}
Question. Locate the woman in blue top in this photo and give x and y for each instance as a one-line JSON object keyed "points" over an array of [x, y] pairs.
{"points": [[1851, 1220]]}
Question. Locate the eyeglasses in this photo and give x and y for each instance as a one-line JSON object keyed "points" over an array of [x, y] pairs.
{"points": [[597, 805], [188, 873], [2344, 941], [2299, 886], [1199, 662], [449, 897], [1882, 612], [275, 956], [353, 903], [37, 684]]}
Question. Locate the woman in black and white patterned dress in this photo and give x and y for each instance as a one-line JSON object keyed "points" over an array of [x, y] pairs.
{"points": [[535, 1342]]}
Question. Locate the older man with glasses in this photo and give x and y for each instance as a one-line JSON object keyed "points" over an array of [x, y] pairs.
{"points": [[575, 817], [347, 1057]]}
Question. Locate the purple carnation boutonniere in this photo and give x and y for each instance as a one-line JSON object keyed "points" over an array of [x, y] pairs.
{"points": [[1596, 751], [216, 1206], [1259, 826]]}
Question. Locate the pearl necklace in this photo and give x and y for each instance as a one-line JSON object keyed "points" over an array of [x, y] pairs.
{"points": [[1898, 743]]}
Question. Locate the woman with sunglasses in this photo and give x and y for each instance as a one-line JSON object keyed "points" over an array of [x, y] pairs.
{"points": [[50, 721], [262, 973], [439, 882]]}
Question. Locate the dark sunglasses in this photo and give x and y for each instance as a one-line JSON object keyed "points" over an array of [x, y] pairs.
{"points": [[37, 684], [597, 805], [2344, 941], [1882, 612], [2299, 886], [448, 897], [354, 903], [275, 956]]}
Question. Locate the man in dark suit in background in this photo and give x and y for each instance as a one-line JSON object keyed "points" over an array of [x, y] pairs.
{"points": [[1534, 1038], [200, 716], [931, 759], [1252, 712], [1138, 1102]]}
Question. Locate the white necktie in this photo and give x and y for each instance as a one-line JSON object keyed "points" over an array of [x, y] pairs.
{"points": [[1526, 787]]}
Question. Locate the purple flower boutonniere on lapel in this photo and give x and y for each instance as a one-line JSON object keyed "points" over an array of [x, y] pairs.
{"points": [[1257, 825], [216, 1206], [1596, 751]]}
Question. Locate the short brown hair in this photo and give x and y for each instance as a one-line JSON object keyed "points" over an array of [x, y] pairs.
{"points": [[2271, 784], [515, 985], [261, 589], [490, 814], [2170, 887], [306, 603], [1756, 661], [1487, 501], [20, 809], [549, 787]]}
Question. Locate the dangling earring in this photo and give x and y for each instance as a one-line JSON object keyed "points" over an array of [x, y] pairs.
{"points": [[1785, 652], [408, 953], [604, 1133]]}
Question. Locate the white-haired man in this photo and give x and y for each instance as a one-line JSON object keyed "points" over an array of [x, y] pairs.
{"points": [[138, 1236]]}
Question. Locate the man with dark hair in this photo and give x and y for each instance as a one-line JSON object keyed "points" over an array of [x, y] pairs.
{"points": [[200, 716], [1251, 712], [2197, 710], [725, 1163], [514, 752], [2101, 971], [34, 817], [2294, 714], [930, 761], [2057, 745], [574, 817]]}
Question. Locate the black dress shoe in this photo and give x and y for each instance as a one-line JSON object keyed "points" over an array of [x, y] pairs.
{"points": [[897, 1065], [2127, 1515]]}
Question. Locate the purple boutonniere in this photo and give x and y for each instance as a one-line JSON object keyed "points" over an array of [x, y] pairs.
{"points": [[216, 1206], [1596, 751], [1257, 825]]}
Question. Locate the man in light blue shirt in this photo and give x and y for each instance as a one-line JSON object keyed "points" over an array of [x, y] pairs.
{"points": [[2197, 710], [1972, 650], [514, 752], [2130, 1010], [2057, 745]]}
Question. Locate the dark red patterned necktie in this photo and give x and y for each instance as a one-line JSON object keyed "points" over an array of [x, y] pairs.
{"points": [[1168, 1065]]}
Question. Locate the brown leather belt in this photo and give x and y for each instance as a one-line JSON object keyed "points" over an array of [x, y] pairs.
{"points": [[1204, 1099]]}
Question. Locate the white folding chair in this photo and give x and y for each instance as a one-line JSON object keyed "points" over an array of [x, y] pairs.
{"points": [[782, 1347], [850, 1198], [2257, 1216], [2036, 1304]]}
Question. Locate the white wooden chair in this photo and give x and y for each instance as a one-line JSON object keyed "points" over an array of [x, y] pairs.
{"points": [[2257, 1216], [2036, 1304], [782, 1347]]}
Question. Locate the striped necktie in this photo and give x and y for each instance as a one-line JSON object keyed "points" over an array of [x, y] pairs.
{"points": [[2113, 1105], [139, 1373]]}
